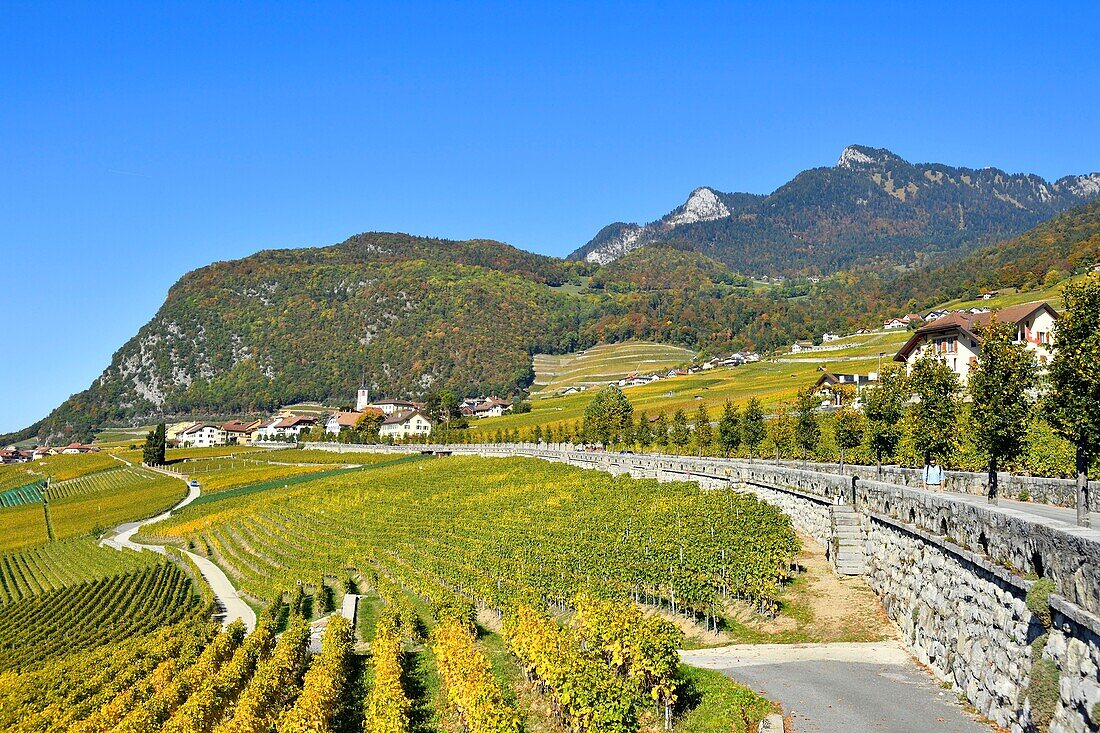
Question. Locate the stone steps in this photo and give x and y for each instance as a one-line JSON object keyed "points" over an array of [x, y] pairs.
{"points": [[847, 535]]}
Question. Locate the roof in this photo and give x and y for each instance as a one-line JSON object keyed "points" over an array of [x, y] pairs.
{"points": [[403, 416], [294, 421], [400, 403], [351, 419], [968, 323], [236, 426], [200, 426]]}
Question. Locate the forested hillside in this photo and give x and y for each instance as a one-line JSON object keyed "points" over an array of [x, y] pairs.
{"points": [[871, 209], [410, 315]]}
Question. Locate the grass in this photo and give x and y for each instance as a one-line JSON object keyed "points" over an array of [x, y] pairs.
{"points": [[601, 364], [773, 383], [717, 704]]}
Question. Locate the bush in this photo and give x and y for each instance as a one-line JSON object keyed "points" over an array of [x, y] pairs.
{"points": [[1043, 690], [1038, 600]]}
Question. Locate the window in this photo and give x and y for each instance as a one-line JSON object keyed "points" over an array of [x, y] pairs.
{"points": [[945, 345]]}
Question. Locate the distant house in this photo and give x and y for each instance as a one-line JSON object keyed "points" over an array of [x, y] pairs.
{"points": [[799, 346], [827, 337], [14, 456], [339, 421], [389, 407], [862, 331], [990, 294], [575, 389], [202, 435], [405, 424], [894, 323], [42, 451], [934, 315], [292, 427], [492, 407], [239, 433], [75, 448], [833, 386], [954, 339]]}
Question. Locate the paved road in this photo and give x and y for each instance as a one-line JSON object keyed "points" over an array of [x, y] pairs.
{"points": [[827, 688], [1061, 518], [224, 592]]}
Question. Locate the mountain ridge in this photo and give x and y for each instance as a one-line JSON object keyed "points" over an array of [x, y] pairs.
{"points": [[872, 208]]}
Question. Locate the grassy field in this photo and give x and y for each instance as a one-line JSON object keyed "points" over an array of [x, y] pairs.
{"points": [[601, 364], [773, 383]]}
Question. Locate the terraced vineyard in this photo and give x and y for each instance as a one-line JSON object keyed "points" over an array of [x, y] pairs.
{"points": [[601, 364], [94, 501], [26, 494], [65, 467], [220, 474], [55, 565], [92, 614]]}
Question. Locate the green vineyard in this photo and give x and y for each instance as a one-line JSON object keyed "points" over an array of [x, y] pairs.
{"points": [[27, 494], [93, 613], [222, 474], [113, 479], [43, 568]]}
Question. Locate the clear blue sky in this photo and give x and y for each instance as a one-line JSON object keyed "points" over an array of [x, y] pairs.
{"points": [[142, 140]]}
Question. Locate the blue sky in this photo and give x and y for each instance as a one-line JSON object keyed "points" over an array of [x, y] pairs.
{"points": [[139, 141]]}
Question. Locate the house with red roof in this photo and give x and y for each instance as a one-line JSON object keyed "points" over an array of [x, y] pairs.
{"points": [[956, 338]]}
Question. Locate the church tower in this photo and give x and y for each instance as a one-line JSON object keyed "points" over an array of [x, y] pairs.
{"points": [[362, 399]]}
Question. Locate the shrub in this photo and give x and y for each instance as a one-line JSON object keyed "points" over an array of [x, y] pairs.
{"points": [[1038, 600]]}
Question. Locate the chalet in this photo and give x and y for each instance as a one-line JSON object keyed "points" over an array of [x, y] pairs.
{"points": [[404, 424], [835, 386], [990, 294], [895, 323], [492, 407], [389, 407], [675, 373], [240, 433], [632, 380], [934, 315], [202, 435], [954, 337], [799, 346]]}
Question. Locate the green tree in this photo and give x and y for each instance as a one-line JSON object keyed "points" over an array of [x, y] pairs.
{"points": [[608, 414], [703, 433], [678, 433], [781, 432], [936, 409], [1073, 405], [848, 426], [807, 430], [148, 452], [643, 434], [1000, 385], [752, 425], [536, 434], [729, 429], [884, 407], [660, 430]]}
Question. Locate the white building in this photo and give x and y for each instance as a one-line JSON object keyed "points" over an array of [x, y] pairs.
{"points": [[954, 337], [362, 399], [389, 407], [405, 424], [202, 435]]}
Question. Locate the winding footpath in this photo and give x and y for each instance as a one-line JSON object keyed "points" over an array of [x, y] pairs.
{"points": [[225, 595]]}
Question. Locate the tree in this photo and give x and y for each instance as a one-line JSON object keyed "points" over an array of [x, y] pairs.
{"points": [[781, 432], [156, 444], [148, 451], [848, 427], [660, 430], [1000, 385], [609, 413], [703, 433], [884, 407], [368, 426], [678, 433], [643, 433], [935, 412], [1073, 405], [807, 431], [536, 435], [729, 429], [752, 425]]}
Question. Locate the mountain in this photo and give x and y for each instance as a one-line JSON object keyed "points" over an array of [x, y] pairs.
{"points": [[872, 208], [411, 315]]}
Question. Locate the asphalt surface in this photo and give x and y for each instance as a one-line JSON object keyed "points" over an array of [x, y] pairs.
{"points": [[844, 687]]}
